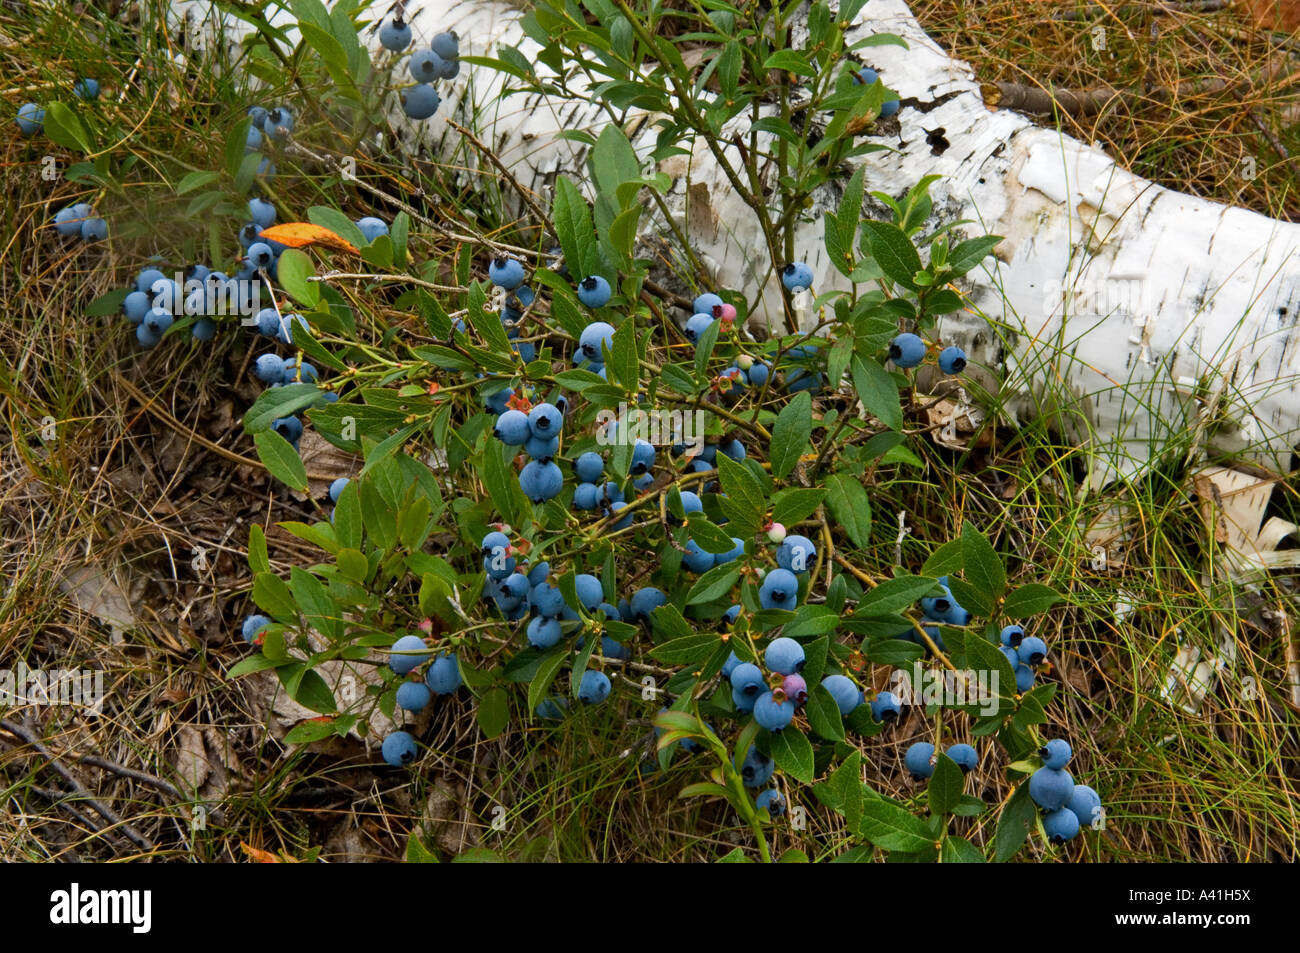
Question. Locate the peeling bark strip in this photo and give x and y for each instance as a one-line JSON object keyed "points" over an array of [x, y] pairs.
{"points": [[1156, 311]]}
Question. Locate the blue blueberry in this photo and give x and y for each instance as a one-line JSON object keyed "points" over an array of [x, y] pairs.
{"points": [[886, 706], [586, 496], [1061, 825], [408, 652], [589, 467], [772, 801], [779, 590], [253, 625], [337, 487], [1056, 753], [758, 374], [420, 102], [547, 601], [617, 507], [86, 88], [594, 336], [552, 709], [371, 227], [497, 403], [260, 256], [907, 350], [865, 76], [757, 768], [544, 633], [705, 303], [146, 336], [771, 714], [538, 572], [512, 428], [594, 291], [67, 223], [545, 420], [847, 695], [731, 615], [952, 360], [1011, 636], [395, 34], [413, 696], [446, 45], [643, 458], [1011, 654], [784, 656], [966, 757], [645, 601], [590, 591], [1050, 788], [259, 115], [796, 276], [737, 551], [147, 278], [507, 273], [204, 329], [425, 66], [1032, 650], [296, 372], [268, 322], [796, 553], [917, 760], [157, 321], [278, 123], [94, 230], [269, 368], [287, 325], [730, 664], [30, 119], [1024, 678], [744, 703], [1086, 805], [696, 326], [135, 306], [696, 559], [541, 449], [747, 678], [443, 676], [594, 687], [399, 749], [541, 481], [889, 108]]}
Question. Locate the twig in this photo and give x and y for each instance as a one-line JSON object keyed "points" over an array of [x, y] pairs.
{"points": [[80, 789]]}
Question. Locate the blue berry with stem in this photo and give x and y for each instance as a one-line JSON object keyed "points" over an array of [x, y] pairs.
{"points": [[413, 696], [593, 688], [443, 676], [512, 428], [772, 801], [706, 302], [1011, 636], [952, 360], [545, 420], [917, 760], [1056, 753], [395, 35], [507, 273], [907, 350], [797, 276], [771, 714], [541, 481], [399, 749], [784, 656], [1050, 788], [965, 757], [594, 291]]}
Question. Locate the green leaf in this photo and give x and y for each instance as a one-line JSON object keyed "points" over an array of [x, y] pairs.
{"points": [[968, 254], [893, 594], [973, 598], [417, 852], [195, 180], [623, 363], [848, 501], [258, 559], [946, 784], [824, 714], [714, 584], [247, 666], [1030, 599], [793, 754], [958, 850], [63, 127], [546, 672], [893, 251], [892, 827], [305, 732], [271, 595], [704, 347], [308, 689], [877, 391], [945, 560], [790, 434], [336, 222], [983, 567], [710, 538], [292, 272], [493, 712], [276, 402], [1014, 825], [746, 501], [791, 61], [688, 650], [281, 459], [320, 611], [811, 620], [795, 504], [574, 228]]}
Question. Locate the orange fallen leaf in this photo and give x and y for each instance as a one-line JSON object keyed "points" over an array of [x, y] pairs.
{"points": [[302, 234], [261, 856]]}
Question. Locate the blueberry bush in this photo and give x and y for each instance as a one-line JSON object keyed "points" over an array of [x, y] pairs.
{"points": [[587, 503]]}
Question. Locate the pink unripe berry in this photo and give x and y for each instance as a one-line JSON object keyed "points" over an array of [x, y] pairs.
{"points": [[795, 688], [776, 533]]}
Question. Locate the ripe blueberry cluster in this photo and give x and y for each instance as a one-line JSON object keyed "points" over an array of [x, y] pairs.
{"points": [[709, 307], [275, 124], [908, 350], [537, 430], [442, 677], [920, 757], [775, 695], [1025, 653], [1066, 805], [507, 274], [79, 221], [440, 61]]}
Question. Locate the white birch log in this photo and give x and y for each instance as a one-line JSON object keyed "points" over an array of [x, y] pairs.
{"points": [[1108, 288]]}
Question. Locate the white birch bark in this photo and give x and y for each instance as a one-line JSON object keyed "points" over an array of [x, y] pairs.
{"points": [[1167, 289]]}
